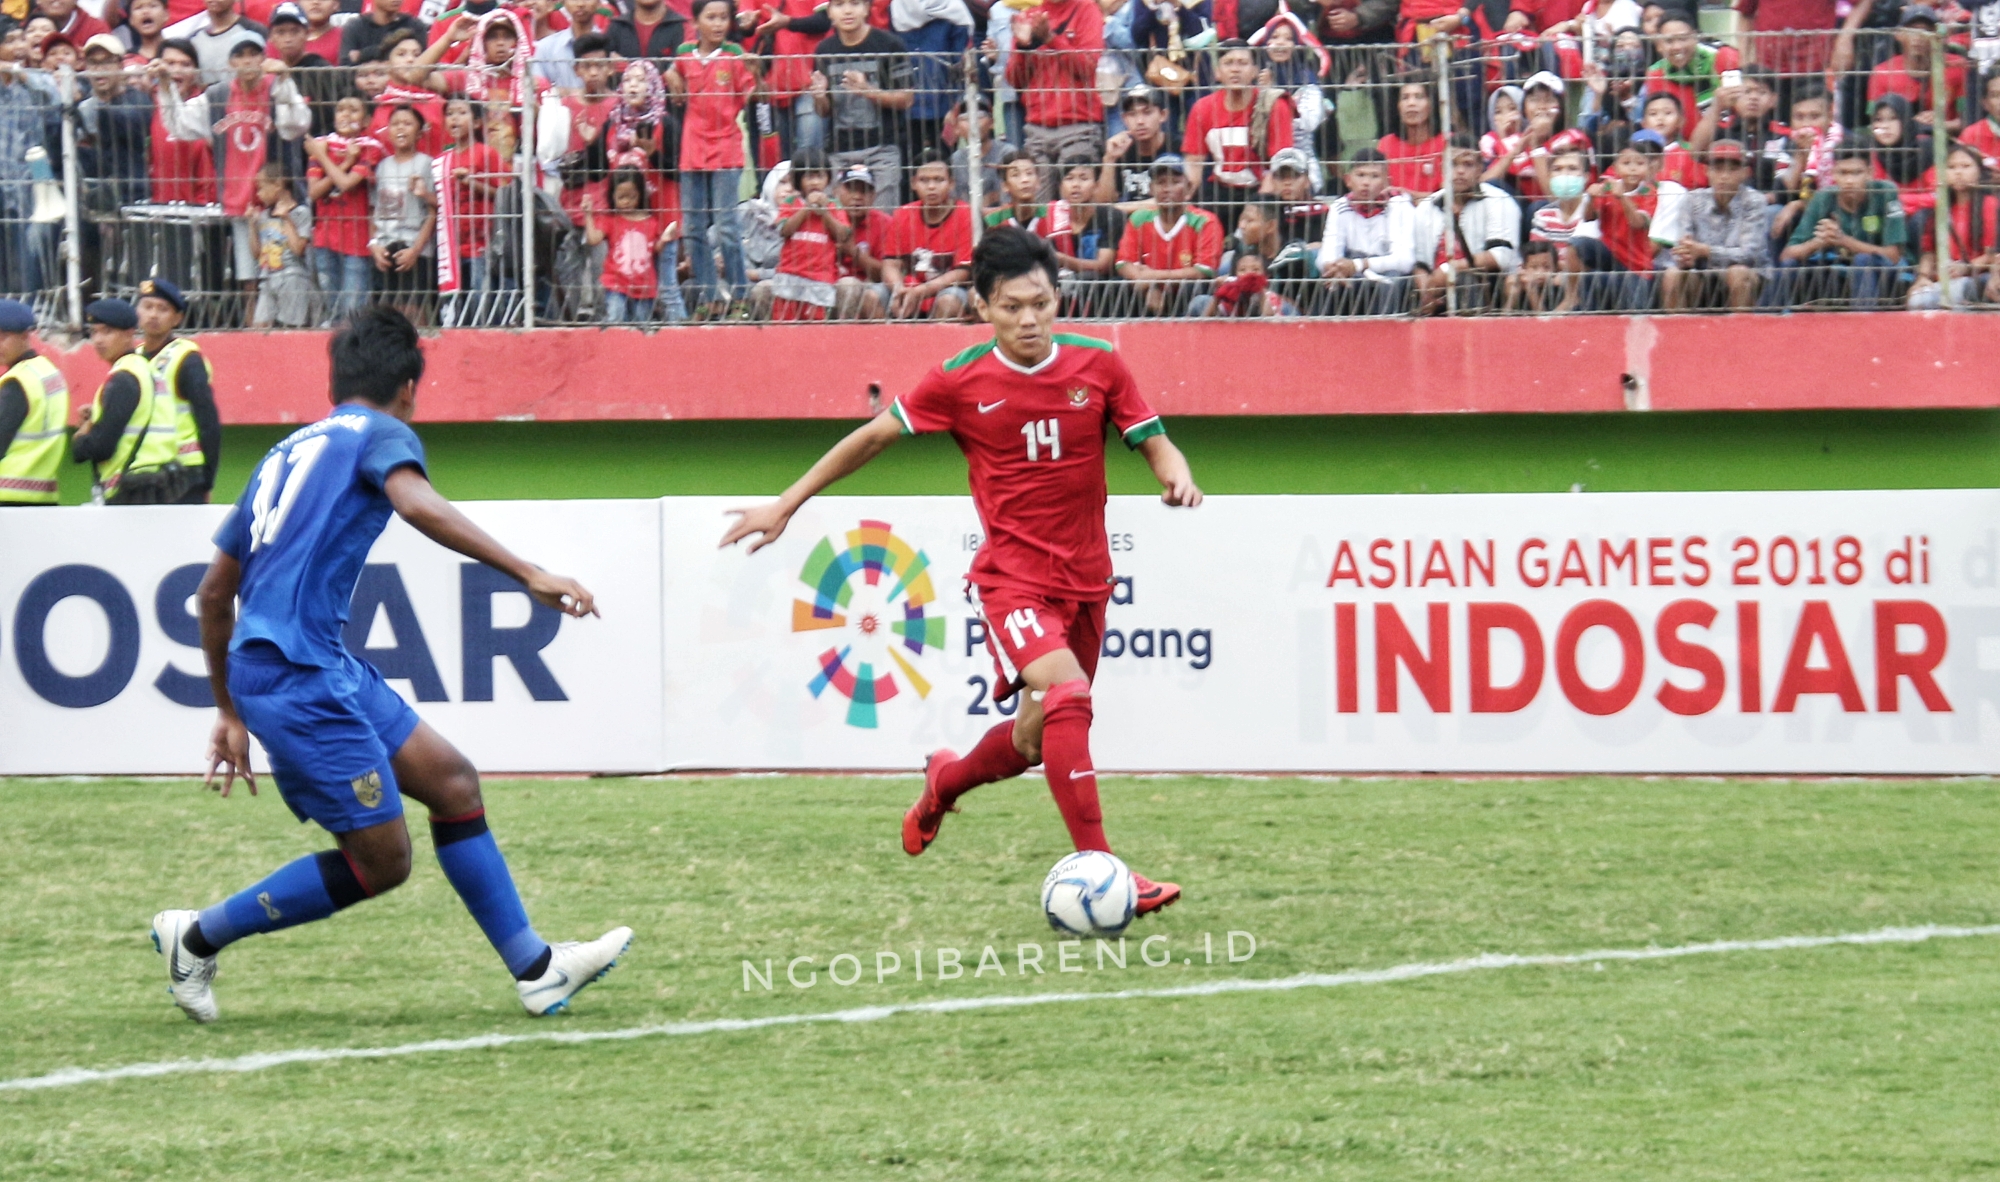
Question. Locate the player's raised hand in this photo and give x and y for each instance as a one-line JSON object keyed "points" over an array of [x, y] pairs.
{"points": [[229, 753], [564, 594], [766, 521]]}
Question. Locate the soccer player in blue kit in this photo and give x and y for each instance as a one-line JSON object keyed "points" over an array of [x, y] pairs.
{"points": [[344, 747]]}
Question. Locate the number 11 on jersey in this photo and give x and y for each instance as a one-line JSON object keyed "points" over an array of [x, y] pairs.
{"points": [[1040, 434]]}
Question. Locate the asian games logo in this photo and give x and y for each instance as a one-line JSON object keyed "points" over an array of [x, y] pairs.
{"points": [[876, 589]]}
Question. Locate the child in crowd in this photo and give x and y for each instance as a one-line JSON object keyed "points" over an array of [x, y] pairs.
{"points": [[469, 176], [1814, 140], [585, 165], [338, 183], [714, 78], [282, 230], [1084, 233], [1021, 181], [1247, 291], [1664, 118], [1504, 146], [633, 236], [1623, 204], [813, 226], [1533, 288], [859, 293], [405, 219]]}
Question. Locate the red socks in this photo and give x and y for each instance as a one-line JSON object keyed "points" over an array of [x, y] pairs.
{"points": [[993, 759], [1066, 760]]}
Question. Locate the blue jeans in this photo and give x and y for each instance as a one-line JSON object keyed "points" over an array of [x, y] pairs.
{"points": [[808, 127], [344, 280], [620, 308], [709, 198], [1859, 279], [671, 309]]}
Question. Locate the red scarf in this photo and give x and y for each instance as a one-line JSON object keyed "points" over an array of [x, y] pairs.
{"points": [[447, 216], [245, 133]]}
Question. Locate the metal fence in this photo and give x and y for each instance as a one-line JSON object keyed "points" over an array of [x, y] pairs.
{"points": [[1175, 178]]}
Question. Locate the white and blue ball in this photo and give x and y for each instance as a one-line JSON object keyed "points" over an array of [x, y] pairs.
{"points": [[1089, 893]]}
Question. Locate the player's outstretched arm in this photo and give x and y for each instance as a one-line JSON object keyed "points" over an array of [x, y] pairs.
{"points": [[1170, 467], [416, 502], [848, 456], [229, 742]]}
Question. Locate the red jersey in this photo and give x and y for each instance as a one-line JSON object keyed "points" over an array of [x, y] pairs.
{"points": [[327, 44], [810, 253], [1223, 137], [929, 251], [340, 220], [1681, 167], [871, 233], [630, 247], [1968, 241], [1982, 135], [1416, 169], [1057, 79], [428, 103], [1034, 444], [1630, 245], [1193, 241], [718, 86], [474, 224], [1893, 77]]}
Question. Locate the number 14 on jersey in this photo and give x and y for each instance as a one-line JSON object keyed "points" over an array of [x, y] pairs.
{"points": [[1043, 435]]}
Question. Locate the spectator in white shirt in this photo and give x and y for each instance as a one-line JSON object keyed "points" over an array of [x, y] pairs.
{"points": [[1370, 244]]}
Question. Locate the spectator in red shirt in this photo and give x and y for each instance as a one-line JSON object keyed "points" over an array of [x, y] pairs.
{"points": [[1663, 117], [632, 235], [1415, 152], [1973, 248], [927, 258], [1900, 152], [1985, 134], [1054, 66], [181, 168], [343, 166], [1238, 128], [859, 293], [322, 35], [71, 21], [408, 78], [813, 225], [1170, 248], [1909, 73], [469, 176], [1623, 203], [715, 79], [1801, 34]]}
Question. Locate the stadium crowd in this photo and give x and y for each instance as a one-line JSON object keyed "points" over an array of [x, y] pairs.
{"points": [[286, 162]]}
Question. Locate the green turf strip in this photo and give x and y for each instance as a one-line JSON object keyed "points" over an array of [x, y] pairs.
{"points": [[1358, 454], [1837, 1063]]}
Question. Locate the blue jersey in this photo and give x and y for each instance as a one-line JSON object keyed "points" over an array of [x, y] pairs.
{"points": [[304, 526]]}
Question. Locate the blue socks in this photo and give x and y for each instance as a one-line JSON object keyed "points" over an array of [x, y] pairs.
{"points": [[301, 891], [472, 863], [317, 886]]}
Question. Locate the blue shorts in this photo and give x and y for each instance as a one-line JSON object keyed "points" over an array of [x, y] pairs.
{"points": [[329, 732]]}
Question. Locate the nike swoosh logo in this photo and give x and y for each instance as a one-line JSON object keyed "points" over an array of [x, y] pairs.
{"points": [[1080, 775], [558, 984], [989, 408]]}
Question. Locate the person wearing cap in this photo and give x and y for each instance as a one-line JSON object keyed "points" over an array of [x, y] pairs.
{"points": [[320, 85], [1908, 73], [1053, 64], [179, 366], [858, 290], [1236, 128], [1125, 178], [114, 126], [1170, 248], [1724, 245], [34, 413], [127, 432]]}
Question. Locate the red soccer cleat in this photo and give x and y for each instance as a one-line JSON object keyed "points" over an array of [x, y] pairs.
{"points": [[920, 824], [1153, 895]]}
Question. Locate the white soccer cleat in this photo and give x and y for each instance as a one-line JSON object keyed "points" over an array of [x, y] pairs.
{"points": [[572, 965], [190, 978]]}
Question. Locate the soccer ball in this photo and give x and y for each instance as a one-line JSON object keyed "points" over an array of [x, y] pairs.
{"points": [[1089, 893]]}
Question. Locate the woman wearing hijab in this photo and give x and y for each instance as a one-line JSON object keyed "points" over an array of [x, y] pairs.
{"points": [[1899, 149]]}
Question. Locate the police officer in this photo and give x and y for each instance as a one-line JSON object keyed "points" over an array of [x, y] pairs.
{"points": [[179, 366], [127, 433], [34, 413]]}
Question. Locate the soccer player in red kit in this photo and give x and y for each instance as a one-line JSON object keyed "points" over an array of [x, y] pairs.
{"points": [[1029, 409]]}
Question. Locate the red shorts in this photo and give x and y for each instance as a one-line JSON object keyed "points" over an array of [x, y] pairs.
{"points": [[1023, 626], [793, 310]]}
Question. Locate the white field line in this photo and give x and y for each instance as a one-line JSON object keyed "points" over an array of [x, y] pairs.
{"points": [[72, 1076]]}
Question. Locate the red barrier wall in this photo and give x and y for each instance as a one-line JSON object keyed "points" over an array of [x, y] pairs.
{"points": [[1271, 367]]}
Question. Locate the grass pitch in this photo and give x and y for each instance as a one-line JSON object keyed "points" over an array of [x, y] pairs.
{"points": [[1838, 1063]]}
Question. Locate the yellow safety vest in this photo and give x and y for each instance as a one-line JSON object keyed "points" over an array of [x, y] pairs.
{"points": [[167, 372], [28, 470], [148, 441]]}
